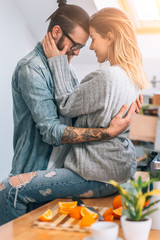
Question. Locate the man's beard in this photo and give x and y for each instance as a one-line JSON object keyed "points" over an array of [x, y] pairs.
{"points": [[60, 46]]}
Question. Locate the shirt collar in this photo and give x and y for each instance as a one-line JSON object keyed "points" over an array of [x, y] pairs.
{"points": [[39, 48]]}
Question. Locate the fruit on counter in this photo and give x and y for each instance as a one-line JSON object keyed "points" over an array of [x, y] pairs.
{"points": [[76, 212], [108, 215], [109, 211], [117, 202], [46, 216], [85, 211], [87, 221], [66, 207], [117, 212], [109, 218], [88, 217]]}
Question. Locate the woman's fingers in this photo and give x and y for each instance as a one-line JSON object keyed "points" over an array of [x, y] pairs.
{"points": [[139, 102], [50, 39], [50, 48]]}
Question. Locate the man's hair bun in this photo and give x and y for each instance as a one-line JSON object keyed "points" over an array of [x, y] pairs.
{"points": [[61, 2]]}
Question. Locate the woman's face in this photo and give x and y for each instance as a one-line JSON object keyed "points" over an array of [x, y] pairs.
{"points": [[99, 45]]}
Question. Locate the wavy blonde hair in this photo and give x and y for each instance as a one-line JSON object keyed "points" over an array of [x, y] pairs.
{"points": [[125, 47]]}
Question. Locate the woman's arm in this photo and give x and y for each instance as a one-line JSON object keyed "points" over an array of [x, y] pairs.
{"points": [[88, 97]]}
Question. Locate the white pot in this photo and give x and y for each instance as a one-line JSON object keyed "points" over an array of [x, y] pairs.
{"points": [[156, 215], [136, 230]]}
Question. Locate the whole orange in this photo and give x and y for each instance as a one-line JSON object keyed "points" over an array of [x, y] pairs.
{"points": [[76, 212], [117, 202]]}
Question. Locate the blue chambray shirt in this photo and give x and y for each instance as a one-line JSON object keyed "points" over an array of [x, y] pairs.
{"points": [[36, 122]]}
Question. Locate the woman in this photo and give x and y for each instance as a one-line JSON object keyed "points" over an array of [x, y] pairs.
{"points": [[100, 95], [88, 166]]}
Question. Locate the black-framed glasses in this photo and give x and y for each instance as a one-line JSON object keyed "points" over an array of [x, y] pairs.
{"points": [[76, 46]]}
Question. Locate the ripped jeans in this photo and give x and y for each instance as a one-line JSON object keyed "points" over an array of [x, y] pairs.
{"points": [[17, 192]]}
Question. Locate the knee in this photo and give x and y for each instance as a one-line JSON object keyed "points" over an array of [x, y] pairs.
{"points": [[2, 186], [22, 179]]}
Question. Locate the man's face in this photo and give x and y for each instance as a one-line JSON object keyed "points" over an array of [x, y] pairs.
{"points": [[79, 36]]}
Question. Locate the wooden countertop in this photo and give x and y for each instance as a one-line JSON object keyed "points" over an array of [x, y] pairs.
{"points": [[21, 228]]}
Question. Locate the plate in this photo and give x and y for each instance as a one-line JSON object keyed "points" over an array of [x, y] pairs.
{"points": [[91, 238]]}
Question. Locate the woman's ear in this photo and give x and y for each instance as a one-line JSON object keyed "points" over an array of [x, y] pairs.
{"points": [[110, 38], [56, 32]]}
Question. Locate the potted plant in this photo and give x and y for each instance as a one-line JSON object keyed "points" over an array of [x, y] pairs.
{"points": [[136, 223]]}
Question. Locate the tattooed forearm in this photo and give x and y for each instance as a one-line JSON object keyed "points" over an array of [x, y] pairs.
{"points": [[78, 135]]}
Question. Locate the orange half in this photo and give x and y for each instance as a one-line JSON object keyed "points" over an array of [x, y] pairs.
{"points": [[117, 212], [46, 216], [67, 205], [87, 221], [85, 211]]}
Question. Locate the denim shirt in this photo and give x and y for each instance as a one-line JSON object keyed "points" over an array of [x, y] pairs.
{"points": [[36, 122]]}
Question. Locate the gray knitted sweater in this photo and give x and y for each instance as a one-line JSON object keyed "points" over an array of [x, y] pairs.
{"points": [[95, 101]]}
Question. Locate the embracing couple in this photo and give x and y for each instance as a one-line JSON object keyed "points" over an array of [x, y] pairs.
{"points": [[70, 138]]}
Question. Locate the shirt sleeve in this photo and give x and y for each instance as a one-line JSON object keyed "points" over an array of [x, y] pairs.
{"points": [[39, 100], [85, 98]]}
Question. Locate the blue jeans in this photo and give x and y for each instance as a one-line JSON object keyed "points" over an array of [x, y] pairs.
{"points": [[43, 186]]}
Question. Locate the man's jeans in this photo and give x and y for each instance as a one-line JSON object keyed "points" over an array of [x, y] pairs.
{"points": [[44, 186]]}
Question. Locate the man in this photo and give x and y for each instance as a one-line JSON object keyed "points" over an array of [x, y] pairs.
{"points": [[37, 127]]}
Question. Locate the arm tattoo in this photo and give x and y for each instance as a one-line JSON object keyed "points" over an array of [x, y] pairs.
{"points": [[78, 135]]}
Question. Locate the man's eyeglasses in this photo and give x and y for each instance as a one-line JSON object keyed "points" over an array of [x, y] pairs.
{"points": [[76, 46]]}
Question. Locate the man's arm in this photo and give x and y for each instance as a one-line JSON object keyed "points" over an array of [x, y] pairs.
{"points": [[117, 125]]}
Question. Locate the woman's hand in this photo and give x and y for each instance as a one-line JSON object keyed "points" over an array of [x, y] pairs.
{"points": [[139, 102], [50, 48]]}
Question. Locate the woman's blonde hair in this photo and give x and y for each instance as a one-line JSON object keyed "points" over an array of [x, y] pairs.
{"points": [[125, 47]]}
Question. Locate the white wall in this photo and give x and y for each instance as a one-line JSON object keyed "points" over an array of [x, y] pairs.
{"points": [[150, 49], [15, 42]]}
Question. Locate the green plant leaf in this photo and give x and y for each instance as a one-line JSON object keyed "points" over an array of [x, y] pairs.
{"points": [[149, 212], [151, 204]]}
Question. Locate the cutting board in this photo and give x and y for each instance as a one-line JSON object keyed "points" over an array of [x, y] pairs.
{"points": [[65, 222]]}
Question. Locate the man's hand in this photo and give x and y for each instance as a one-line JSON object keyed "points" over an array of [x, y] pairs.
{"points": [[118, 123]]}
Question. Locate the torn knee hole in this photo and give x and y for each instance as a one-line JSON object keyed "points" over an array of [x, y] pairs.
{"points": [[22, 179], [2, 187], [50, 174], [88, 194]]}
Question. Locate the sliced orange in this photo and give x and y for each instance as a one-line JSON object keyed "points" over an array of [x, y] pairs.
{"points": [[117, 202], [76, 212], [108, 218], [117, 212], [46, 216], [87, 221], [85, 211], [109, 211], [61, 211], [67, 205]]}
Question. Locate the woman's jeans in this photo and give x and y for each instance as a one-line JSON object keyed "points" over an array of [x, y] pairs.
{"points": [[44, 186]]}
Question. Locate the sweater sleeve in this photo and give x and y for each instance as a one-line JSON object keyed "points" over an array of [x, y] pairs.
{"points": [[88, 97]]}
